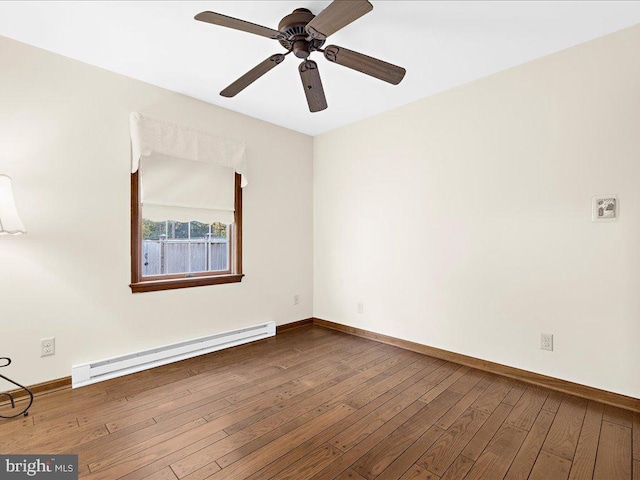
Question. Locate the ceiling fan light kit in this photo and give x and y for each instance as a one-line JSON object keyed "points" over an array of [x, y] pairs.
{"points": [[303, 33]]}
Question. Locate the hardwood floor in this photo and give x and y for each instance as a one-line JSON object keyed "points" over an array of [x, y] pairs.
{"points": [[313, 403]]}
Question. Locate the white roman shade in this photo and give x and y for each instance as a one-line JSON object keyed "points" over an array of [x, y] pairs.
{"points": [[183, 190], [185, 174]]}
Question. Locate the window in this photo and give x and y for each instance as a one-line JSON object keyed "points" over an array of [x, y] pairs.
{"points": [[186, 206], [172, 247], [173, 254]]}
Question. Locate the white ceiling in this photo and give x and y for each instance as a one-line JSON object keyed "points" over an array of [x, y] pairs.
{"points": [[441, 44]]}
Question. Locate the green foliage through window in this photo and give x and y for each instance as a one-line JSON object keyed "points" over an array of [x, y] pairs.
{"points": [[180, 230]]}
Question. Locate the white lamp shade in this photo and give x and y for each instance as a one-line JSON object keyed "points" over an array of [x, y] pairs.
{"points": [[10, 222]]}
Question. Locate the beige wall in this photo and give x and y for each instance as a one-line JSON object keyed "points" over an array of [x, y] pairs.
{"points": [[463, 221], [64, 138]]}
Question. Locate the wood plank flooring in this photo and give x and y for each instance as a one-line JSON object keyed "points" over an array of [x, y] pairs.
{"points": [[313, 403]]}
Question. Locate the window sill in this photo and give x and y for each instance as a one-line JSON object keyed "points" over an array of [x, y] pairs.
{"points": [[174, 283]]}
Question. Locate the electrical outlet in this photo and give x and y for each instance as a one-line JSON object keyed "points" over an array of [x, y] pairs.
{"points": [[47, 347], [296, 299], [546, 342], [360, 307]]}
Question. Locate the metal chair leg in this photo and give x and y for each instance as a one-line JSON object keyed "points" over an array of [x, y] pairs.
{"points": [[24, 411]]}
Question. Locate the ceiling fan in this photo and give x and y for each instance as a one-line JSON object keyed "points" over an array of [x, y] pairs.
{"points": [[302, 33]]}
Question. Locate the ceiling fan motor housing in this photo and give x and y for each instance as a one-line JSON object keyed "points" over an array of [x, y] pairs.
{"points": [[292, 26]]}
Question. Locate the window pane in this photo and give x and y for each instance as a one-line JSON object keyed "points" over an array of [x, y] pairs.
{"points": [[178, 230], [199, 230], [151, 256], [198, 256], [172, 247], [176, 255], [153, 230], [219, 254], [219, 230]]}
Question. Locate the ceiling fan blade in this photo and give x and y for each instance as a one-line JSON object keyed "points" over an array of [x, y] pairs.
{"points": [[337, 15], [365, 64], [230, 22], [312, 85], [252, 75]]}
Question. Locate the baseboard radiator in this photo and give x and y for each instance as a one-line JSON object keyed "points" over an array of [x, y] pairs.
{"points": [[101, 370]]}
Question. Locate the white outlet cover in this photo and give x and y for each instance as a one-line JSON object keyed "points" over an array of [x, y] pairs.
{"points": [[546, 342], [47, 347], [605, 208]]}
